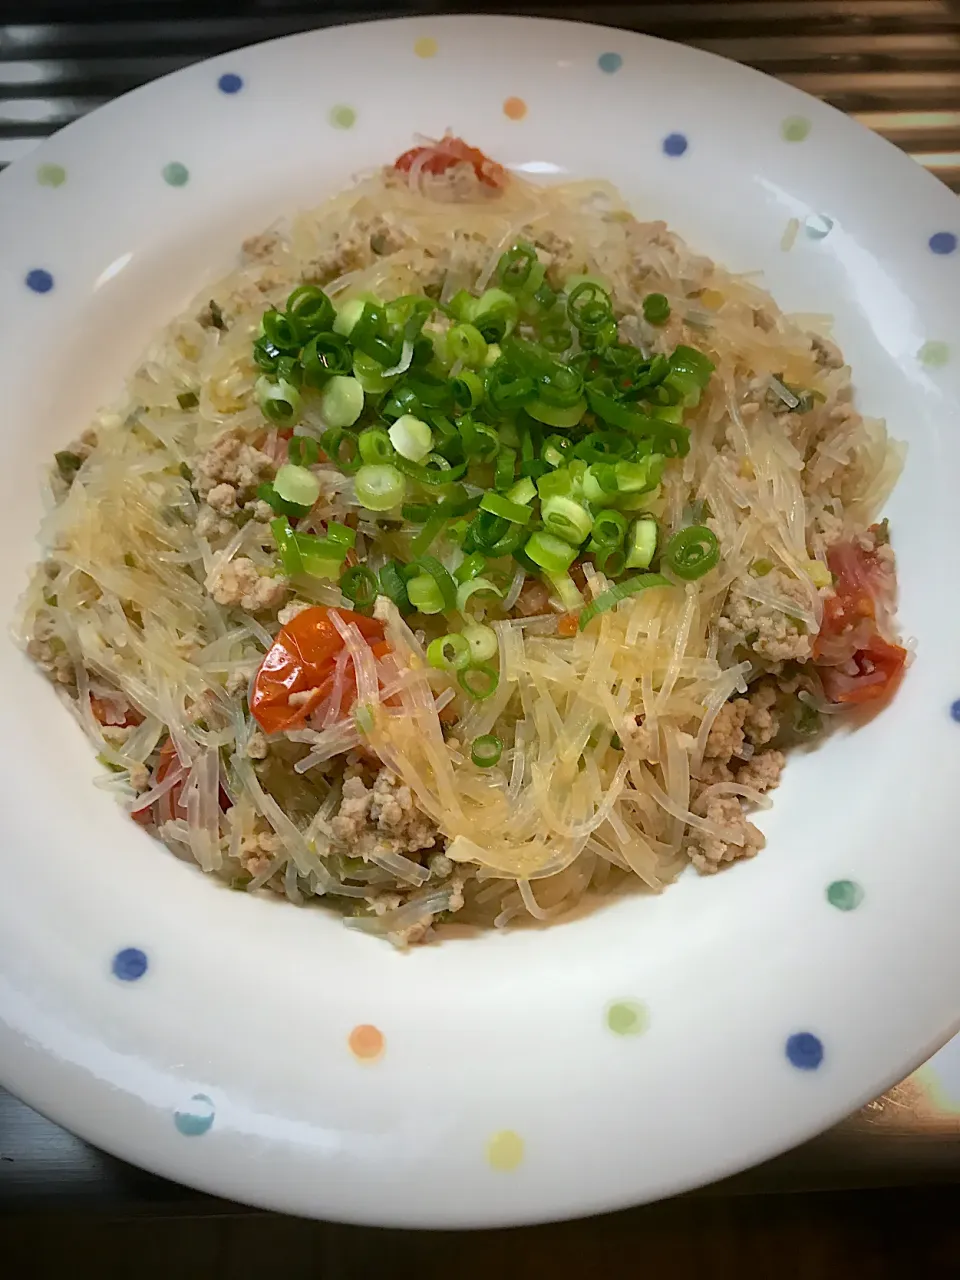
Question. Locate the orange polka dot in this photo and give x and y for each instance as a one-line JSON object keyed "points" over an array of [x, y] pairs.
{"points": [[515, 108], [425, 47], [366, 1042]]}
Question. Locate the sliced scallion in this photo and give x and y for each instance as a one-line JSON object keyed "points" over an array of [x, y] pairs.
{"points": [[379, 486]]}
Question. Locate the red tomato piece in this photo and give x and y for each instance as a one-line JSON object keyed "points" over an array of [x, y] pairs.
{"points": [[301, 659], [879, 671], [448, 152]]}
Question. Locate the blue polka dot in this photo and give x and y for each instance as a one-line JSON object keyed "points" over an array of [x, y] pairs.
{"points": [[38, 280], [955, 709], [610, 62], [230, 83], [805, 1051], [197, 1119], [129, 964], [675, 144], [943, 242]]}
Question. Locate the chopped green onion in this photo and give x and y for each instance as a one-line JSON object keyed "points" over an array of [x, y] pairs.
{"points": [[687, 387], [374, 445], [566, 518], [424, 594], [333, 441], [286, 542], [341, 401], [468, 389], [483, 642], [267, 493], [486, 750], [508, 388], [265, 355], [478, 439], [692, 552], [371, 375], [555, 482], [303, 451], [611, 561], [555, 415], [278, 401], [379, 486], [479, 682], [588, 306], [359, 584], [497, 505], [692, 361], [613, 595], [337, 532], [567, 591], [760, 568], [639, 477], [297, 484], [523, 491], [347, 316], [394, 585], [431, 528], [515, 267], [449, 653], [466, 343], [467, 589], [656, 308], [311, 308], [431, 566], [411, 438], [324, 356], [436, 475], [282, 331], [492, 356], [550, 552], [472, 565], [505, 470], [188, 399], [642, 543], [609, 529], [557, 340], [561, 385], [494, 313]]}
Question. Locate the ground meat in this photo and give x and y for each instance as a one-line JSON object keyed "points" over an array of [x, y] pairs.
{"points": [[291, 610], [645, 739], [223, 499], [257, 851], [726, 734], [385, 238], [383, 818], [260, 510], [769, 632], [238, 681], [262, 247], [51, 657], [240, 583], [556, 256], [763, 771], [257, 746], [709, 853], [212, 525], [139, 777], [828, 354], [230, 460], [761, 721]]}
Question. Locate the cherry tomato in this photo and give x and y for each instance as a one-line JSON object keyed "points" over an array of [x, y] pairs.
{"points": [[879, 671], [450, 151], [301, 660]]}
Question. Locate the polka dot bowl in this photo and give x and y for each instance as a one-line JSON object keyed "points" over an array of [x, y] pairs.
{"points": [[269, 1055]]}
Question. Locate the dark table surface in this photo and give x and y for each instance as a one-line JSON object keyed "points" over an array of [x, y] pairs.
{"points": [[893, 64]]}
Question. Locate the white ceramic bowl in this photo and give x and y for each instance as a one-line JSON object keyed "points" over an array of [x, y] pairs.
{"points": [[506, 1090]]}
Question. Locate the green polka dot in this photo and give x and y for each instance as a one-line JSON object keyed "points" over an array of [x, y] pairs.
{"points": [[845, 895], [342, 117], [176, 174], [934, 354], [627, 1018], [794, 128], [51, 175]]}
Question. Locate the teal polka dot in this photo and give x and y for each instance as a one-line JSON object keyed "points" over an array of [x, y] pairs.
{"points": [[51, 175], [610, 62], [197, 1118], [845, 895], [343, 117], [794, 128], [818, 226], [176, 174]]}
